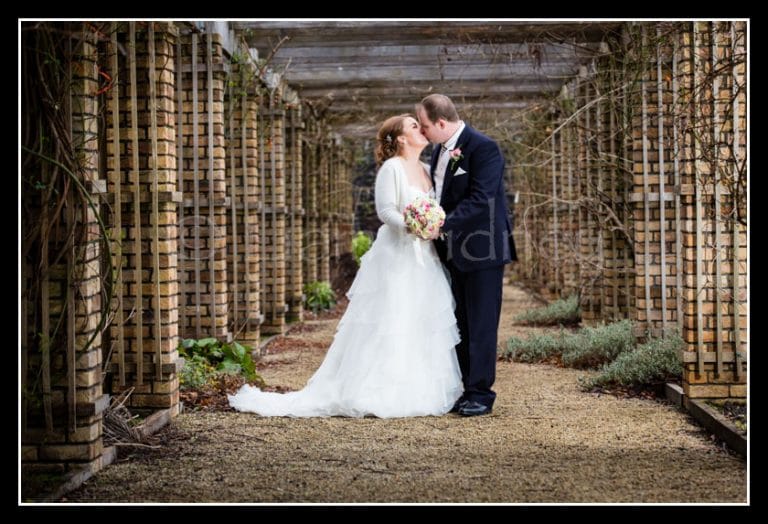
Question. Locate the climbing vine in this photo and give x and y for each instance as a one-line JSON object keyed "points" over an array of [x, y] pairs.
{"points": [[57, 205]]}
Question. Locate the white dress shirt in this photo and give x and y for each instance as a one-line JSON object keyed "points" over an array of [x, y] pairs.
{"points": [[442, 161]]}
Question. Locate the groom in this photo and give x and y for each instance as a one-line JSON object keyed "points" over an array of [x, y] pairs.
{"points": [[476, 241]]}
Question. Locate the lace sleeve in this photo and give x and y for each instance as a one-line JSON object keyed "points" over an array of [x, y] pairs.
{"points": [[386, 197]]}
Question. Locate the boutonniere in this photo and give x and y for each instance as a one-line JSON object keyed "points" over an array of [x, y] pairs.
{"points": [[456, 156]]}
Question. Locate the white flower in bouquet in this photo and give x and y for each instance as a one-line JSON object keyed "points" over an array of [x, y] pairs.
{"points": [[423, 217]]}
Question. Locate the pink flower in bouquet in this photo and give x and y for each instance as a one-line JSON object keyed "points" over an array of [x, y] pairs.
{"points": [[423, 217]]}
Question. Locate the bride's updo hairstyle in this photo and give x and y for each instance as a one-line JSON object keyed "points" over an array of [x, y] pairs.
{"points": [[386, 138]]}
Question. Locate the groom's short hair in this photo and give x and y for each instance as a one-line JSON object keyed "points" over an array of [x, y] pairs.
{"points": [[439, 106]]}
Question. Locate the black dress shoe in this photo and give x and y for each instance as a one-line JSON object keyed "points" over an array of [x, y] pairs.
{"points": [[470, 408], [458, 405]]}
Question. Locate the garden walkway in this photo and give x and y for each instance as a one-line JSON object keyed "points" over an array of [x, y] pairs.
{"points": [[546, 441]]}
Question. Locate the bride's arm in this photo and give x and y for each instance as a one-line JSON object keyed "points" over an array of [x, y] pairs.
{"points": [[386, 197]]}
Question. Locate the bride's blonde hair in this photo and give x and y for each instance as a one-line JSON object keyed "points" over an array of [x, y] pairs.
{"points": [[386, 138]]}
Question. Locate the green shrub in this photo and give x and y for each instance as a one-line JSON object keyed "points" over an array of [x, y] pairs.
{"points": [[361, 243], [593, 347], [655, 361], [564, 312], [536, 348], [319, 295], [205, 357], [590, 347], [612, 346], [196, 373]]}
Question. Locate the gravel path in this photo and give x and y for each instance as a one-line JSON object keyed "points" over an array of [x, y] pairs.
{"points": [[546, 441]]}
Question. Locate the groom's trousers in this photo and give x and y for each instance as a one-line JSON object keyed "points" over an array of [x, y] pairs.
{"points": [[478, 308]]}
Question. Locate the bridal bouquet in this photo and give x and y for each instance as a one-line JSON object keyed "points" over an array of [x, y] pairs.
{"points": [[423, 216]]}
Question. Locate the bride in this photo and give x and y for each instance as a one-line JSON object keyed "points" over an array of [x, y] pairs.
{"points": [[393, 353]]}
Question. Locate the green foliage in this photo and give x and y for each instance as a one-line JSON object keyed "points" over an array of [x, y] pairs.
{"points": [[587, 348], [238, 57], [593, 347], [564, 312], [612, 346], [197, 372], [319, 295], [361, 243], [205, 357], [655, 361], [536, 348]]}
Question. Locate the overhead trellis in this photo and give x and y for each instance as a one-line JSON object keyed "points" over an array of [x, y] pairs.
{"points": [[358, 73]]}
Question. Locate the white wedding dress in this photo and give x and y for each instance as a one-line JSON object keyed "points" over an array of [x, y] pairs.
{"points": [[393, 353]]}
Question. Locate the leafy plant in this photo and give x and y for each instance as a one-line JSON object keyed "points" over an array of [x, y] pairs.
{"points": [[594, 346], [205, 357], [655, 361], [197, 371], [361, 243], [536, 348], [587, 348], [564, 312], [612, 346], [319, 295]]}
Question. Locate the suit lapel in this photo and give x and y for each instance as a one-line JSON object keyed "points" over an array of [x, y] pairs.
{"points": [[451, 167]]}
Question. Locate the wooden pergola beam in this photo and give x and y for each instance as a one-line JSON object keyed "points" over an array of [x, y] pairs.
{"points": [[334, 34], [417, 54], [364, 71], [505, 87], [315, 75], [408, 106]]}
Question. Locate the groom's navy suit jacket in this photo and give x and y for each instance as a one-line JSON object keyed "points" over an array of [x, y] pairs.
{"points": [[478, 227]]}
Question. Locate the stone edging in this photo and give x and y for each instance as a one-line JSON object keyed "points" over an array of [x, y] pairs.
{"points": [[713, 421]]}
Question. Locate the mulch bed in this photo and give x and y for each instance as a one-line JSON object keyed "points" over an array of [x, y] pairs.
{"points": [[302, 329], [734, 411], [737, 412], [213, 397], [282, 344]]}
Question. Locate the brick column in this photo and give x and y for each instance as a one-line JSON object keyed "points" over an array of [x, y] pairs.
{"points": [[272, 137], [714, 243], [653, 188], [347, 212], [324, 207], [590, 234], [243, 264], [142, 176], [203, 233], [62, 394], [334, 201], [310, 175], [294, 228], [571, 218]]}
